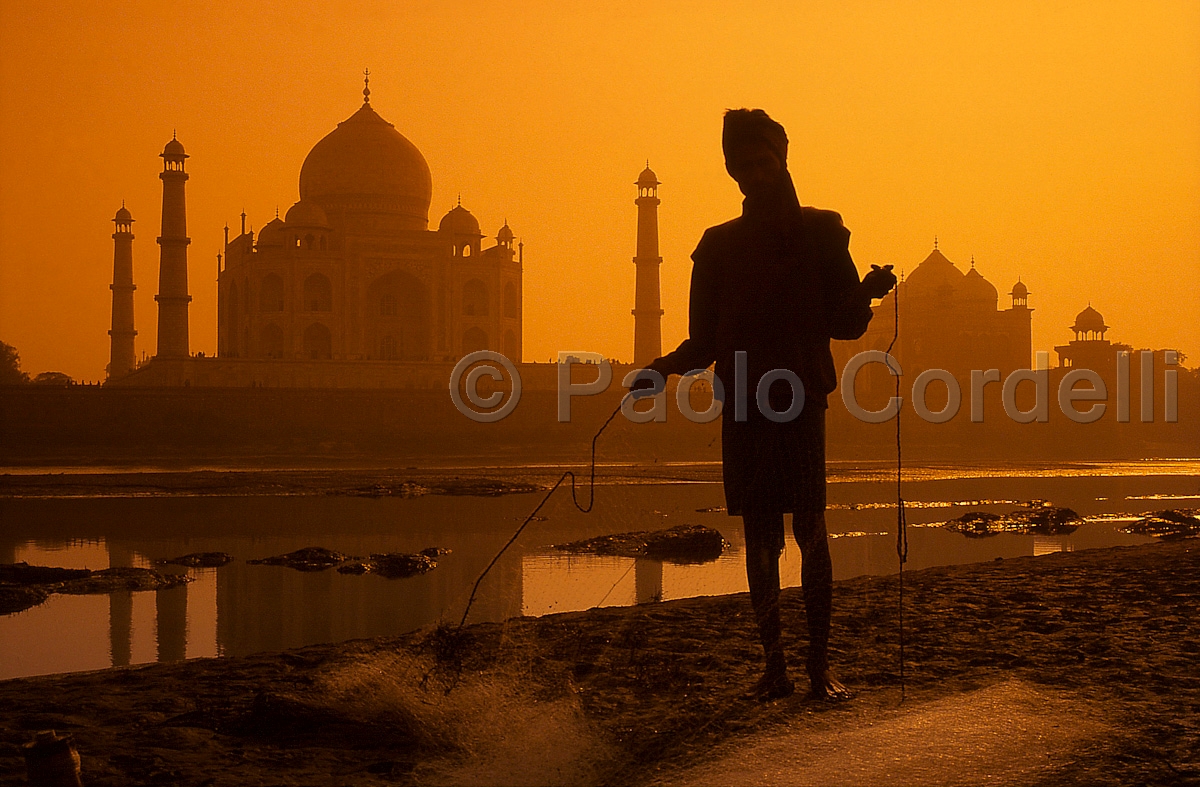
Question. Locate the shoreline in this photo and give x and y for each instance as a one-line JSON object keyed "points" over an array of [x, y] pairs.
{"points": [[495, 479], [632, 694]]}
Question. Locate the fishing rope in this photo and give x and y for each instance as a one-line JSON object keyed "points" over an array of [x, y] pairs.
{"points": [[574, 499], [901, 518]]}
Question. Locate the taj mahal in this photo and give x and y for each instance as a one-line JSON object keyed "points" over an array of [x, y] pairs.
{"points": [[349, 288]]}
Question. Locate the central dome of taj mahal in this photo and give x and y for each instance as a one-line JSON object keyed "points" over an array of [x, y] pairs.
{"points": [[365, 164]]}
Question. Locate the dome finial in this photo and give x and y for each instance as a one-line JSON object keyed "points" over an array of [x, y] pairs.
{"points": [[460, 199], [935, 242], [366, 86], [972, 262]]}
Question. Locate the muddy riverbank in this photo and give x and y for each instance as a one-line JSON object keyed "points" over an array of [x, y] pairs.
{"points": [[628, 695]]}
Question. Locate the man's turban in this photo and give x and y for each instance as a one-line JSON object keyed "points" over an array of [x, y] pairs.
{"points": [[746, 127]]}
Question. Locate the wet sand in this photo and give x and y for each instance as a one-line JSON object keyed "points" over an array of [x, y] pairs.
{"points": [[641, 695]]}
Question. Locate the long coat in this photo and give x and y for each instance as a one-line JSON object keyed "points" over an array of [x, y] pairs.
{"points": [[779, 287]]}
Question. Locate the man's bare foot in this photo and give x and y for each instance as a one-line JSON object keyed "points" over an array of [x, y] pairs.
{"points": [[826, 686], [773, 685]]}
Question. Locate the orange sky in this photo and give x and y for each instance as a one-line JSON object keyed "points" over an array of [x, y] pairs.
{"points": [[1059, 142]]}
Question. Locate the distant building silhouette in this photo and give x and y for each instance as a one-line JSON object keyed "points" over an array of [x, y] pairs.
{"points": [[173, 298], [353, 272], [350, 274], [1149, 378], [1089, 349], [121, 357], [647, 311], [948, 320]]}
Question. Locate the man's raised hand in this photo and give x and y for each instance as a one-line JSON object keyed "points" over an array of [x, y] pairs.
{"points": [[878, 282]]}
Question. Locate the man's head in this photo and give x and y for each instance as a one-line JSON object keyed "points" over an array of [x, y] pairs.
{"points": [[755, 151]]}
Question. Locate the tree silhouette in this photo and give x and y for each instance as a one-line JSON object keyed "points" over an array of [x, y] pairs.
{"points": [[10, 366]]}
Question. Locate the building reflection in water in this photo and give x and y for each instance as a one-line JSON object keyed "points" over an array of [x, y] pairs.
{"points": [[1047, 545], [557, 582]]}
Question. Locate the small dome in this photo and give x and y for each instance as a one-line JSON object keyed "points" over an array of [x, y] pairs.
{"points": [[1089, 320], [505, 234], [978, 289], [274, 233], [123, 216], [1019, 290], [174, 149], [648, 178], [459, 221], [306, 213]]}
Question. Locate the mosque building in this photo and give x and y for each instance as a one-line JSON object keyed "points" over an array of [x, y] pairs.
{"points": [[351, 276], [949, 319]]}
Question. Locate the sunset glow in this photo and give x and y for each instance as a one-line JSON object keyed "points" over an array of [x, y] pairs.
{"points": [[1055, 142]]}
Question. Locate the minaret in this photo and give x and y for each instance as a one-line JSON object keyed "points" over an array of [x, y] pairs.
{"points": [[121, 360], [647, 312], [173, 298]]}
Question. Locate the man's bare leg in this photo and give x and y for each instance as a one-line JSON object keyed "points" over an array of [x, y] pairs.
{"points": [[816, 579], [762, 574]]}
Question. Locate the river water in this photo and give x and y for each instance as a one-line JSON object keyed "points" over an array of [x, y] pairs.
{"points": [[241, 609]]}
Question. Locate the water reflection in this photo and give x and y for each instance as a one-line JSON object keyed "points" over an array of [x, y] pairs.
{"points": [[241, 609], [1046, 545]]}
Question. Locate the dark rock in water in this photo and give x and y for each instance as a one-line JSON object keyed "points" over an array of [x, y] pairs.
{"points": [[685, 543], [1169, 524], [1048, 520], [388, 564], [122, 578], [307, 559], [23, 586], [402, 489], [200, 560], [1040, 519], [25, 574], [398, 565], [393, 565], [680, 544], [18, 598], [483, 487], [977, 524]]}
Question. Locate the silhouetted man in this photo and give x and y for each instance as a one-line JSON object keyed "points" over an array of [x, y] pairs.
{"points": [[769, 290]]}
